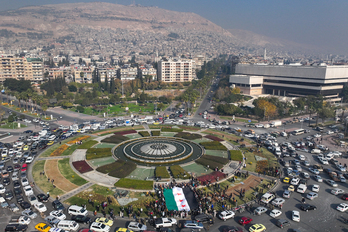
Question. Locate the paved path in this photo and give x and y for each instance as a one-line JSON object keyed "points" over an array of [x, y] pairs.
{"points": [[78, 155], [52, 157], [68, 113], [76, 191]]}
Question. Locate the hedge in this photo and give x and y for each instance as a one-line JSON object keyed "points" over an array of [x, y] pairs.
{"points": [[162, 172], [88, 144], [134, 184], [125, 132], [155, 133], [179, 172], [144, 133], [189, 136], [95, 153], [115, 139], [169, 129], [119, 169], [214, 145], [236, 155], [214, 138], [212, 161]]}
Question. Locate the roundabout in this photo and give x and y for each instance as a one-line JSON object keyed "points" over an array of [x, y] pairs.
{"points": [[158, 151]]}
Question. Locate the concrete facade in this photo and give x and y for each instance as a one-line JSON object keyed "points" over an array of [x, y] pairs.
{"points": [[176, 70], [249, 85], [289, 80]]}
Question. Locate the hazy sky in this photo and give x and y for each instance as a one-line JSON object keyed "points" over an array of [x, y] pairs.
{"points": [[321, 23]]}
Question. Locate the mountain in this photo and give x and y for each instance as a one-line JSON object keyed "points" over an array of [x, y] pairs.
{"points": [[107, 28]]}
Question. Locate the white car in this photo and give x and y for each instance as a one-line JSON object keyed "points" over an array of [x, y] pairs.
{"points": [[342, 207], [278, 201], [315, 188], [323, 161], [315, 171], [99, 227], [286, 194], [296, 216], [24, 181], [275, 213], [29, 160], [2, 189], [32, 199], [312, 196], [58, 214], [329, 132], [317, 135], [331, 183], [40, 207], [295, 181], [337, 191], [298, 168], [318, 178], [29, 213], [227, 214], [135, 226], [28, 190], [302, 157], [341, 168]]}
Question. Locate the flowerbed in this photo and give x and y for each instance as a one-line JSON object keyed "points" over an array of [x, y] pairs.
{"points": [[95, 153], [115, 139], [144, 133], [126, 132], [119, 169], [155, 133], [212, 161], [162, 172], [189, 136], [134, 184], [82, 166], [59, 150], [78, 139], [214, 145], [179, 172], [214, 138], [261, 166], [212, 177], [170, 129]]}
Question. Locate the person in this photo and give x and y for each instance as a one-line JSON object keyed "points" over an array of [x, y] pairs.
{"points": [[303, 200], [48, 194]]}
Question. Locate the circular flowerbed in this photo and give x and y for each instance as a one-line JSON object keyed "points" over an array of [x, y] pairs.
{"points": [[159, 151]]}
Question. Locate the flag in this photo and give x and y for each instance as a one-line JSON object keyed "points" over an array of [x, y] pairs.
{"points": [[181, 199]]}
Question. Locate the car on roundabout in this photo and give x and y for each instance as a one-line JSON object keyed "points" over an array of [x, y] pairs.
{"points": [[260, 210], [104, 221], [118, 230], [40, 207], [291, 188], [342, 207], [318, 178], [312, 195], [337, 191], [315, 188], [345, 197], [42, 227], [275, 213], [29, 213], [286, 194], [295, 216], [314, 171], [204, 218], [257, 228], [295, 181], [58, 214], [286, 180], [232, 229], [99, 227], [226, 214], [331, 183]]}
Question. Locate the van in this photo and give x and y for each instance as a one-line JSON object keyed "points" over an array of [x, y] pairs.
{"points": [[77, 210], [301, 188], [68, 225], [315, 151], [267, 197]]}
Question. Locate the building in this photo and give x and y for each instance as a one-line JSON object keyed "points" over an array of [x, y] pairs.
{"points": [[21, 68], [249, 85], [127, 73], [176, 70], [293, 80], [148, 70], [83, 74]]}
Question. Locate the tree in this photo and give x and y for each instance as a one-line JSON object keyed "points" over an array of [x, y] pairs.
{"points": [[235, 90], [10, 118], [326, 112], [264, 108], [80, 109], [106, 82], [112, 86], [72, 88]]}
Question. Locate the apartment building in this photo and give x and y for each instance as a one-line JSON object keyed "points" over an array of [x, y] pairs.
{"points": [[148, 70], [293, 80], [176, 70], [127, 73], [21, 68], [82, 74]]}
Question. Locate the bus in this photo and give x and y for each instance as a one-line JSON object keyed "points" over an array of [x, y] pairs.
{"points": [[298, 132]]}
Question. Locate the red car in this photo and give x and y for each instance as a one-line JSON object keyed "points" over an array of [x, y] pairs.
{"points": [[244, 220], [345, 197], [24, 167]]}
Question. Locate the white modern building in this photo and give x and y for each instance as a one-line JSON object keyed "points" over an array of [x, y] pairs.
{"points": [[292, 80], [176, 70]]}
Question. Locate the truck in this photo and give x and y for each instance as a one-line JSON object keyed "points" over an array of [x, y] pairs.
{"points": [[24, 220], [276, 123]]}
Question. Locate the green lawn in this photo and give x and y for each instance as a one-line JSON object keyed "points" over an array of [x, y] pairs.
{"points": [[69, 174], [12, 125], [88, 144], [250, 157], [245, 120], [41, 180], [134, 184]]}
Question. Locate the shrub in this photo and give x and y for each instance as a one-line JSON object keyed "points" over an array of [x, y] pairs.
{"points": [[261, 166], [95, 153], [126, 132], [214, 138], [134, 184], [119, 169], [144, 133], [170, 129], [179, 172], [236, 155], [59, 151], [115, 139], [214, 145], [155, 133], [189, 136], [162, 172], [88, 144], [212, 161]]}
